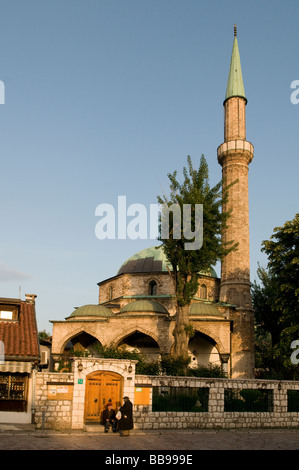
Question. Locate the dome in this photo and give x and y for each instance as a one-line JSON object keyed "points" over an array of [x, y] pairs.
{"points": [[204, 309], [151, 260], [144, 306], [91, 311]]}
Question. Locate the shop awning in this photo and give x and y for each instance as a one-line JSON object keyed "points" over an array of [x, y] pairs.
{"points": [[14, 366]]}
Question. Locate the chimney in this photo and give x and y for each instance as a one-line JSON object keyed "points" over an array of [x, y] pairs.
{"points": [[30, 298]]}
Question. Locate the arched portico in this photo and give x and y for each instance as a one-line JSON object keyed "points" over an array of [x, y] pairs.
{"points": [[142, 343], [71, 336], [203, 350], [131, 331]]}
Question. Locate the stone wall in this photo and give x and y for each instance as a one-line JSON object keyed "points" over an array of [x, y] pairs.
{"points": [[53, 410], [59, 401], [60, 397], [216, 417]]}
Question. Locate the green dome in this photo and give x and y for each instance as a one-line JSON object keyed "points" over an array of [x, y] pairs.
{"points": [[204, 309], [150, 260], [144, 306], [91, 311]]}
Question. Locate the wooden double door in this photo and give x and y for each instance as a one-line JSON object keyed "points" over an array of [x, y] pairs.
{"points": [[100, 387]]}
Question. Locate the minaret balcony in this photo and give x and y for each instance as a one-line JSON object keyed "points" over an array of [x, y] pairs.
{"points": [[235, 145]]}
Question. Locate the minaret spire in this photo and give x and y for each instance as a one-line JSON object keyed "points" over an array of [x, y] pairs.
{"points": [[234, 155], [235, 86]]}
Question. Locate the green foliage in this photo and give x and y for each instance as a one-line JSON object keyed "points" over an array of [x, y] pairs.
{"points": [[79, 353], [64, 365], [176, 366], [189, 329], [276, 304], [186, 264], [167, 365], [147, 368], [212, 370], [283, 262], [170, 365], [143, 367], [44, 335]]}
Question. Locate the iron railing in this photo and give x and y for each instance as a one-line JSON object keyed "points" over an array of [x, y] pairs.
{"points": [[180, 399]]}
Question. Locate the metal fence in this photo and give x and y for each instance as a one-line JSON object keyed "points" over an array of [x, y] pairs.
{"points": [[248, 400], [180, 399], [293, 400]]}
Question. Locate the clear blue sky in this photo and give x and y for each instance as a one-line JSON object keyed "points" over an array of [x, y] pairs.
{"points": [[105, 97]]}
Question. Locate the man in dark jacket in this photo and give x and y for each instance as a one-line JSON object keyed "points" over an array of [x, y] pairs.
{"points": [[125, 424], [109, 417]]}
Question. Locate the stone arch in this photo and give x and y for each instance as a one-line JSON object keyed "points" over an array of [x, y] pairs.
{"points": [[210, 334], [105, 365], [203, 350], [133, 330], [63, 342], [207, 332], [143, 343]]}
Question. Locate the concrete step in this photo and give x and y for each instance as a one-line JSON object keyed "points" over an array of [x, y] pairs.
{"points": [[93, 427]]}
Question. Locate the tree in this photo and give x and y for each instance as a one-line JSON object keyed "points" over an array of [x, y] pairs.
{"points": [[266, 314], [267, 326], [186, 264], [44, 335], [276, 300], [283, 255]]}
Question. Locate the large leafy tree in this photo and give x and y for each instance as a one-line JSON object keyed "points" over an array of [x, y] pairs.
{"points": [[186, 264], [276, 299]]}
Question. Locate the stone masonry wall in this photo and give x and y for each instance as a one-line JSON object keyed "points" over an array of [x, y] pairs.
{"points": [[58, 413], [50, 411], [216, 417]]}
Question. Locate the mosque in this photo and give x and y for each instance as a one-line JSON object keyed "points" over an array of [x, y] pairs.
{"points": [[136, 307]]}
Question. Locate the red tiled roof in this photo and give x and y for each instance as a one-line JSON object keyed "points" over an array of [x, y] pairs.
{"points": [[20, 337]]}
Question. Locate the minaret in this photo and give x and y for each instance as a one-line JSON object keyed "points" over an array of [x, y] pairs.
{"points": [[234, 155]]}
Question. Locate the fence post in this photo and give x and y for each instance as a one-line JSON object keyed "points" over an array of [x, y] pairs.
{"points": [[280, 398], [216, 399]]}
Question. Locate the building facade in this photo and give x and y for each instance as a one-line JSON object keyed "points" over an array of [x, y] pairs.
{"points": [[136, 307], [19, 359]]}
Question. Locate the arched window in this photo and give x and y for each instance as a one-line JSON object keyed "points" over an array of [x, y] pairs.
{"points": [[110, 292], [152, 288], [203, 292]]}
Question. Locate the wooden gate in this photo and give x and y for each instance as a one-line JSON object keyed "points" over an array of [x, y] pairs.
{"points": [[100, 387]]}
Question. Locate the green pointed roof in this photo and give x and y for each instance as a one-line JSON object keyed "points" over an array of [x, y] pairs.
{"points": [[144, 306], [95, 311], [235, 86], [204, 309]]}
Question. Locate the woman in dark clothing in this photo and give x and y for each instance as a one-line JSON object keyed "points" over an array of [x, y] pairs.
{"points": [[125, 424]]}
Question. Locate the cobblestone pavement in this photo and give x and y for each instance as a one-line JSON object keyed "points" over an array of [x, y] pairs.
{"points": [[12, 438]]}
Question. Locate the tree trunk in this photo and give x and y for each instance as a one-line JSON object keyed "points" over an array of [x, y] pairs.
{"points": [[181, 337]]}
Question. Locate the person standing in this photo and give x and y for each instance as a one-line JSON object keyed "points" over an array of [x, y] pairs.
{"points": [[125, 424]]}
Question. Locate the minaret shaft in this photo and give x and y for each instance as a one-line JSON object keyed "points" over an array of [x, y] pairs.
{"points": [[234, 155], [234, 119]]}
